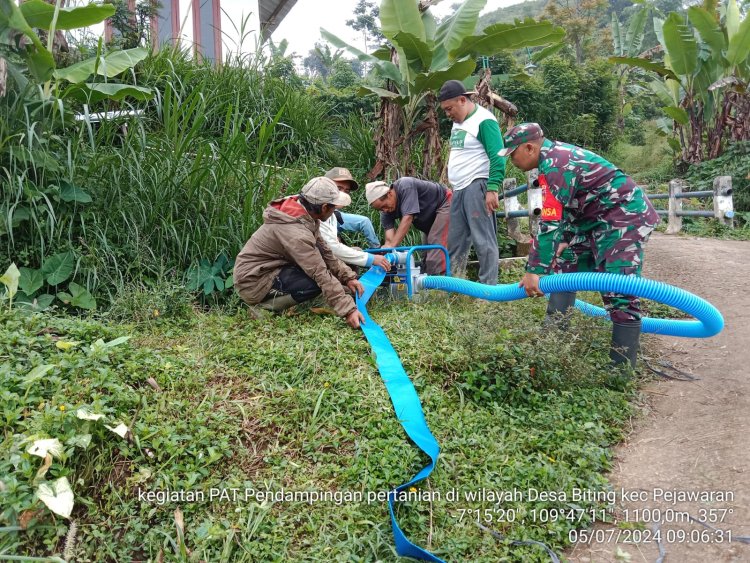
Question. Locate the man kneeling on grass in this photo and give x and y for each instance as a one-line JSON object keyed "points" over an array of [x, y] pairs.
{"points": [[286, 261]]}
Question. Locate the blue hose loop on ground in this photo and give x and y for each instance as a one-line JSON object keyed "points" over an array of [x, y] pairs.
{"points": [[709, 321], [406, 405]]}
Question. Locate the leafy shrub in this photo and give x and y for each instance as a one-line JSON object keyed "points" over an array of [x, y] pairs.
{"points": [[735, 162], [342, 75], [650, 162], [715, 229], [573, 103], [635, 130]]}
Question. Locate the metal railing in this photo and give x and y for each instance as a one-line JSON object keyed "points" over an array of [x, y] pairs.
{"points": [[723, 210], [723, 205], [513, 211]]}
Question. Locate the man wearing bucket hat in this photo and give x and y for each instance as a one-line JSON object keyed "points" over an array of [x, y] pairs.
{"points": [[286, 261], [475, 172], [329, 228], [604, 223], [351, 221], [423, 204]]}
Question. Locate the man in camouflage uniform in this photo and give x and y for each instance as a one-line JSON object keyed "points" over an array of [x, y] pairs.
{"points": [[596, 219]]}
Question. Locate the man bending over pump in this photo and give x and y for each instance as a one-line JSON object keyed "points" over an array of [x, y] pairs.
{"points": [[604, 222], [425, 205]]}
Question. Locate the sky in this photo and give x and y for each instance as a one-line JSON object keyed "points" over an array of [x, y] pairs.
{"points": [[301, 27]]}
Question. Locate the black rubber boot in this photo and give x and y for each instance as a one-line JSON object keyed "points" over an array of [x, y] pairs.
{"points": [[560, 303], [625, 338]]}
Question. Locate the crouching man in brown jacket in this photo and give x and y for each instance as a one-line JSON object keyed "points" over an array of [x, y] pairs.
{"points": [[286, 261]]}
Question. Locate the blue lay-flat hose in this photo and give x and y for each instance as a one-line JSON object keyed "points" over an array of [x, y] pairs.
{"points": [[404, 397], [406, 404], [709, 321]]}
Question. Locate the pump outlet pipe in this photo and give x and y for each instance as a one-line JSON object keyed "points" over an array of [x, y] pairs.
{"points": [[708, 320]]}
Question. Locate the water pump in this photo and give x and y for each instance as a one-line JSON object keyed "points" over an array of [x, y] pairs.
{"points": [[402, 280]]}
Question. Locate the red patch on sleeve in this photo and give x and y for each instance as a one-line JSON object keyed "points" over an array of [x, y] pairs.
{"points": [[551, 208]]}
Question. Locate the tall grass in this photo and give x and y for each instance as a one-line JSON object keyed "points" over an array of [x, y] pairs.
{"points": [[189, 179], [36, 161]]}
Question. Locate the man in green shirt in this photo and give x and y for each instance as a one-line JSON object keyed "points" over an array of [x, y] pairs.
{"points": [[475, 172]]}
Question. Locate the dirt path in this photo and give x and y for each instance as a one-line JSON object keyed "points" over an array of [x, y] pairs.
{"points": [[695, 437]]}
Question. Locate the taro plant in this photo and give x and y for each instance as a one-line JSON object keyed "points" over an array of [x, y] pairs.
{"points": [[211, 278], [10, 280], [25, 284]]}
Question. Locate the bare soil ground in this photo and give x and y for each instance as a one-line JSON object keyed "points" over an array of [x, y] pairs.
{"points": [[693, 437]]}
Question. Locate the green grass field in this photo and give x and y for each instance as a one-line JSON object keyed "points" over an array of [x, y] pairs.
{"points": [[296, 404]]}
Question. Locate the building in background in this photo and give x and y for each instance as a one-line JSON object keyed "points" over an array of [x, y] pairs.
{"points": [[207, 27]]}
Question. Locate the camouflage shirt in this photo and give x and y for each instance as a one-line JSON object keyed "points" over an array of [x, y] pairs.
{"points": [[595, 195]]}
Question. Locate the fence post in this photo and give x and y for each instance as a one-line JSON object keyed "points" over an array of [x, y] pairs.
{"points": [[511, 204], [675, 205], [723, 206], [534, 199]]}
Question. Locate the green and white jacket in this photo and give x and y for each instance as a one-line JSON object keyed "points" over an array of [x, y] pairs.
{"points": [[474, 146]]}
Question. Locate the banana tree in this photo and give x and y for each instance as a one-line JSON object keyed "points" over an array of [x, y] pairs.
{"points": [[627, 43], [421, 55], [20, 39], [706, 74]]}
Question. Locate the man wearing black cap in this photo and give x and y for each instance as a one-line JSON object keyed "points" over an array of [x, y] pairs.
{"points": [[475, 172]]}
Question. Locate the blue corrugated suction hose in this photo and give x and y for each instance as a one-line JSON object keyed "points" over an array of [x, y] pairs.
{"points": [[709, 321]]}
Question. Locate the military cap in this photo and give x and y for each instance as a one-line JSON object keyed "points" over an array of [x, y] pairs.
{"points": [[520, 134]]}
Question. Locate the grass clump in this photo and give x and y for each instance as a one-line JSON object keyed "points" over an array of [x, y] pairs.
{"points": [[648, 162], [151, 302], [714, 229]]}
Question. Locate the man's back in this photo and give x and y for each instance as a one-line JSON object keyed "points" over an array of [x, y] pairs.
{"points": [[419, 198], [592, 189]]}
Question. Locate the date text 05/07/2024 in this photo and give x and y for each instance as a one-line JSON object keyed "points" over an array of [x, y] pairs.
{"points": [[643, 536]]}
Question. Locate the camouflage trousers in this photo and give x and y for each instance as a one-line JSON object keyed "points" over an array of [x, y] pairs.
{"points": [[614, 251]]}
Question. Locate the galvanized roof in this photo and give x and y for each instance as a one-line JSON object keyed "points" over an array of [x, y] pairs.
{"points": [[272, 12]]}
